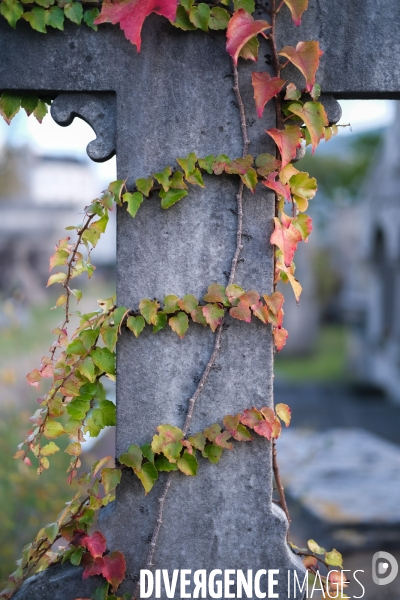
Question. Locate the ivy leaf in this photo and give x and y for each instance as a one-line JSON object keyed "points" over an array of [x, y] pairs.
{"points": [[241, 312], [207, 162], [78, 409], [9, 103], [222, 440], [297, 7], [198, 441], [251, 417], [315, 548], [133, 201], [51, 531], [266, 163], [250, 50], [188, 164], [264, 428], [55, 17], [233, 293], [274, 303], [334, 558], [110, 478], [248, 5], [171, 304], [304, 224], [315, 119], [219, 19], [132, 458], [212, 432], [29, 103], [114, 569], [147, 452], [179, 324], [104, 360], [305, 57], [213, 453], [144, 185], [188, 464], [216, 293], [96, 544], [265, 88], [168, 441], [148, 309], [162, 464], [171, 197], [287, 140], [56, 278], [52, 429], [37, 19], [213, 314], [88, 337], [159, 321], [282, 190], [105, 414], [284, 413], [286, 237], [220, 163], [12, 11], [93, 566], [315, 92], [177, 181], [148, 476], [48, 449], [73, 449], [292, 93], [242, 28], [74, 12], [87, 368], [89, 17], [188, 303], [198, 317], [280, 337], [303, 187], [200, 15], [109, 335], [136, 325], [163, 176], [182, 20]]}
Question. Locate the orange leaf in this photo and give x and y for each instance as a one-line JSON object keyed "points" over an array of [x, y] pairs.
{"points": [[242, 28], [287, 140], [131, 14], [241, 312], [297, 7], [264, 428], [286, 237], [283, 411], [278, 187], [306, 58], [265, 88], [251, 417], [280, 337]]}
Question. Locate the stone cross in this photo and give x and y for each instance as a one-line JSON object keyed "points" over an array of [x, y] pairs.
{"points": [[173, 98]]}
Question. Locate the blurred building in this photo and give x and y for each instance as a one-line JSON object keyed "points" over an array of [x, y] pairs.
{"points": [[39, 197]]}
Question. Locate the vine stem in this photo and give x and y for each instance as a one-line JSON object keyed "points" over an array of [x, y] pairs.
{"points": [[277, 475], [217, 342]]}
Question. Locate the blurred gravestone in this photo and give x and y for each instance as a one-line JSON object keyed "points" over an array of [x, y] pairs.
{"points": [[173, 98]]}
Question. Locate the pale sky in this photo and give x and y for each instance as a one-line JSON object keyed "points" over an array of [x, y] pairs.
{"points": [[50, 137]]}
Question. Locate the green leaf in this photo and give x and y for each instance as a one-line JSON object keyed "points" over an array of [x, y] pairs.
{"points": [[188, 303], [12, 11], [56, 278], [182, 20], [101, 592], [171, 304], [51, 531], [136, 325], [187, 464], [179, 324], [171, 197], [266, 163], [216, 293], [74, 449], [233, 293], [37, 19], [315, 92], [148, 309], [50, 448], [132, 458], [212, 432], [76, 347], [144, 185], [88, 337], [188, 164], [148, 476], [314, 116], [29, 103], [195, 178], [213, 453], [147, 452], [134, 201], [213, 314], [89, 17], [78, 408], [315, 548], [250, 50], [110, 336], [52, 429], [159, 321], [200, 16], [162, 464], [248, 5], [334, 558], [219, 19], [76, 556], [87, 368], [168, 441], [104, 359], [163, 178], [207, 162], [250, 179], [9, 103], [198, 441], [44, 3], [110, 478], [74, 12], [177, 181], [198, 317], [105, 414]]}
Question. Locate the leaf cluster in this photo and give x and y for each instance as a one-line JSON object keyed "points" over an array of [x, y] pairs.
{"points": [[41, 14]]}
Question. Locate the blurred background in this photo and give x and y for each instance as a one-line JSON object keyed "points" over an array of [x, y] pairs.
{"points": [[340, 369]]}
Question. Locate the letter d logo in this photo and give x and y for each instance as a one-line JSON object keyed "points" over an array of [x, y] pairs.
{"points": [[381, 561]]}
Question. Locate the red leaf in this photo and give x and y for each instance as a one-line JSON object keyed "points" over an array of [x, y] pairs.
{"points": [[250, 417], [264, 428], [222, 440], [251, 298], [286, 237], [96, 544], [241, 312], [274, 302], [265, 88], [33, 378], [268, 414], [280, 337], [261, 312], [287, 140], [306, 58], [93, 566], [297, 7], [114, 569], [242, 28], [278, 187], [131, 14]]}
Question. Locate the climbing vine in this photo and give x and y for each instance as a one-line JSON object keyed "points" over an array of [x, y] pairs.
{"points": [[76, 403]]}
